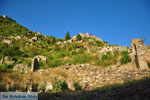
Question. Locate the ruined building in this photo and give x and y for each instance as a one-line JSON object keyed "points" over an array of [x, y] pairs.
{"points": [[138, 53]]}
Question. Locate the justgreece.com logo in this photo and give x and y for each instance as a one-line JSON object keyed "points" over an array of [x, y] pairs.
{"points": [[18, 96]]}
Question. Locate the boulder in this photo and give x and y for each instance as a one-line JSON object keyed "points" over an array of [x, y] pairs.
{"points": [[7, 41], [49, 86]]}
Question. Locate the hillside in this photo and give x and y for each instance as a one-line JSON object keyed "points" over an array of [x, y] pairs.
{"points": [[58, 52], [31, 61]]}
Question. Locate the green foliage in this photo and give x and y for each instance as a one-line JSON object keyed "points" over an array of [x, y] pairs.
{"points": [[81, 50], [91, 43], [67, 36], [81, 59], [99, 43], [79, 38], [115, 45], [77, 87], [7, 67], [109, 58], [74, 52], [92, 51], [125, 57], [57, 48], [60, 55], [54, 63], [27, 62], [43, 86], [116, 53], [10, 50], [53, 40], [60, 86], [148, 64]]}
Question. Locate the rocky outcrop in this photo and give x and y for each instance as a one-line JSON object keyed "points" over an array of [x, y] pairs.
{"points": [[49, 86], [88, 36], [6, 60], [21, 68], [7, 41], [138, 53]]}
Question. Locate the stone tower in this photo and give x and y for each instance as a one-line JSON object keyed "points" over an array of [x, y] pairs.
{"points": [[138, 52]]}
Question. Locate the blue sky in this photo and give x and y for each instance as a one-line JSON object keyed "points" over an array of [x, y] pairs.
{"points": [[115, 21]]}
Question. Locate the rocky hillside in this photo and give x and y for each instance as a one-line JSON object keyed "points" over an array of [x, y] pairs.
{"points": [[20, 46], [30, 61]]}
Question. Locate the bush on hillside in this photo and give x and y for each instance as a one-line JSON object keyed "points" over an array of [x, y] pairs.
{"points": [[54, 63], [60, 86], [81, 50], [99, 43], [125, 57], [79, 38], [67, 36], [74, 52], [10, 50], [57, 48], [148, 63], [81, 59]]}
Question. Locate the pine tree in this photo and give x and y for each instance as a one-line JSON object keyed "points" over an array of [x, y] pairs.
{"points": [[79, 38], [53, 40], [67, 36]]}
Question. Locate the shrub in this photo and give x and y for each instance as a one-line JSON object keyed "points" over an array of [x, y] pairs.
{"points": [[53, 40], [108, 56], [69, 49], [77, 87], [79, 38], [148, 63], [99, 43], [54, 63], [60, 86], [81, 50], [7, 67], [125, 57], [116, 53], [74, 52], [43, 86], [67, 36], [11, 51], [91, 43], [57, 48], [60, 55], [80, 59]]}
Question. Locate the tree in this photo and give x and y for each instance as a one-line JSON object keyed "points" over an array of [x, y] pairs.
{"points": [[79, 38], [53, 40], [67, 36]]}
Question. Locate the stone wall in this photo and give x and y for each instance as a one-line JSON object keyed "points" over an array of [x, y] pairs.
{"points": [[138, 53]]}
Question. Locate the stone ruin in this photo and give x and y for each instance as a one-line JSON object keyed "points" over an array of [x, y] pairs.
{"points": [[35, 62], [139, 53]]}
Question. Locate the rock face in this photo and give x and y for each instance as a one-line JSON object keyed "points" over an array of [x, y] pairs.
{"points": [[88, 36], [138, 52], [21, 68], [35, 62]]}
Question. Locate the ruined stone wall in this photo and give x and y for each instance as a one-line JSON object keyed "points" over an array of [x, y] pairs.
{"points": [[138, 53]]}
